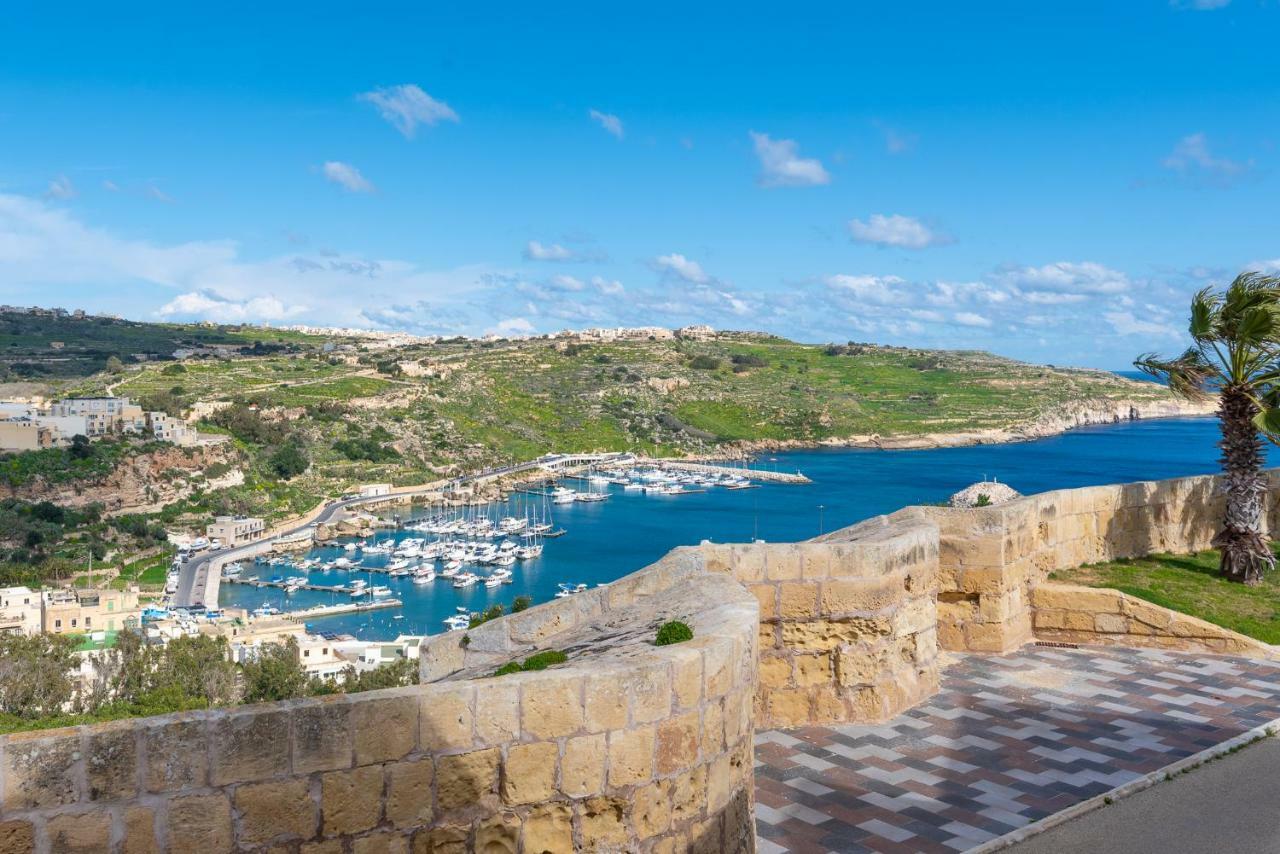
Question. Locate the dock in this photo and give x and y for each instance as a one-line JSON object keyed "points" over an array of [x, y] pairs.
{"points": [[260, 582], [762, 475], [345, 608]]}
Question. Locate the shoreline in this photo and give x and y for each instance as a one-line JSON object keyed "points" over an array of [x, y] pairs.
{"points": [[1096, 413]]}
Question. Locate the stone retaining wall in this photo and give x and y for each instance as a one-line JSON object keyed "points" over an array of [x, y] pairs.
{"points": [[1097, 615], [846, 621], [991, 557]]}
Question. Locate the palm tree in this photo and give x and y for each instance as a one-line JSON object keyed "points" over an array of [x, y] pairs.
{"points": [[1235, 353]]}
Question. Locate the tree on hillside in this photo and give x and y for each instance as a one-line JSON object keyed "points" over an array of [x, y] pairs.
{"points": [[35, 674], [1235, 353], [275, 673]]}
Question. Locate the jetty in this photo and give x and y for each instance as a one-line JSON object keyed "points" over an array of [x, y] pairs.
{"points": [[762, 475], [262, 582], [345, 608]]}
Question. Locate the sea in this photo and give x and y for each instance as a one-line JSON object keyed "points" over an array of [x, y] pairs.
{"points": [[609, 539]]}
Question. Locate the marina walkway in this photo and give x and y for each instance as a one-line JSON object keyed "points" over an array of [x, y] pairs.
{"points": [[1007, 741]]}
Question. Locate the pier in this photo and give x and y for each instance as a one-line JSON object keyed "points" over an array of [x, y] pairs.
{"points": [[345, 608], [262, 582], [762, 475]]}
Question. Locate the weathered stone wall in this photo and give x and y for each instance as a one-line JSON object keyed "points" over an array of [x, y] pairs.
{"points": [[626, 747], [1071, 613], [991, 557], [846, 621]]}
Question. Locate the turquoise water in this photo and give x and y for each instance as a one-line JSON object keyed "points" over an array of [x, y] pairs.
{"points": [[609, 539]]}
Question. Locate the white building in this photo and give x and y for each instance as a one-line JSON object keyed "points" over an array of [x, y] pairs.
{"points": [[104, 414], [166, 428], [696, 332], [373, 490], [19, 610], [235, 530]]}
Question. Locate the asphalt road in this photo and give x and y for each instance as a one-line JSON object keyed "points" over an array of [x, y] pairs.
{"points": [[1229, 805]]}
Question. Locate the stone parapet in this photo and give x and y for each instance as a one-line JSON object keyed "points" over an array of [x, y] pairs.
{"points": [[1069, 613]]}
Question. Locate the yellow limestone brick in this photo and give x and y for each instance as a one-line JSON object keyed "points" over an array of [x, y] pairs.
{"points": [[601, 822], [551, 706], [466, 779], [606, 701], [631, 756], [767, 596], [279, 808], [650, 693], [446, 718], [651, 810], [798, 600], [17, 837], [80, 833], [200, 823], [548, 830], [409, 793], [689, 794], [384, 728], [529, 773], [582, 767], [775, 671], [788, 707], [782, 563], [498, 834], [677, 743], [686, 680], [813, 669], [139, 832], [496, 712], [352, 800]]}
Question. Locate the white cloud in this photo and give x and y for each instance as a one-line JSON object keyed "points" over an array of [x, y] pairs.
{"points": [[1192, 156], [1199, 5], [211, 305], [894, 230], [608, 121], [608, 287], [407, 106], [685, 268], [154, 192], [781, 165], [969, 318], [880, 290], [512, 326], [1086, 277], [536, 251], [567, 283], [60, 188], [1125, 323], [347, 176], [110, 186]]}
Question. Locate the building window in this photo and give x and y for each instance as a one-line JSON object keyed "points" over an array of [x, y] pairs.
{"points": [[88, 621], [73, 622], [57, 624]]}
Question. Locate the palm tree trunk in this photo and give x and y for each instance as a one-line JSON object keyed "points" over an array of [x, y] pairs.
{"points": [[1246, 553]]}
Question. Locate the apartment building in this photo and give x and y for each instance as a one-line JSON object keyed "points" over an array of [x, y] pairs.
{"points": [[235, 530], [66, 611], [166, 428], [19, 610], [103, 415], [25, 434]]}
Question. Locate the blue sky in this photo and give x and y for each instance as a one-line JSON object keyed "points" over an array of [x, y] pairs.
{"points": [[1049, 181]]}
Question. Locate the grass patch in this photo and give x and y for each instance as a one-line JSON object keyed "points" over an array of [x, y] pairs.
{"points": [[1191, 584]]}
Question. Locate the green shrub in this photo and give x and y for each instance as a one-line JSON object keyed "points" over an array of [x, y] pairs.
{"points": [[705, 363], [537, 661], [673, 632]]}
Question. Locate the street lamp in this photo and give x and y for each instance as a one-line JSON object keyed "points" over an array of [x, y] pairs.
{"points": [[820, 509]]}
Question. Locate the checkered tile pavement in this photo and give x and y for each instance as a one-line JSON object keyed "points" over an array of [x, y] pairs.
{"points": [[1007, 741]]}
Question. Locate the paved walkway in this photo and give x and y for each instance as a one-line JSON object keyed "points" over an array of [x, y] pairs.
{"points": [[1009, 740]]}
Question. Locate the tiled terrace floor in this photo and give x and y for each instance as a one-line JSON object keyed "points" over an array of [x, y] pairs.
{"points": [[1007, 741]]}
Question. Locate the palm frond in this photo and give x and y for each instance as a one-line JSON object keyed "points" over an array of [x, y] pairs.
{"points": [[1188, 375]]}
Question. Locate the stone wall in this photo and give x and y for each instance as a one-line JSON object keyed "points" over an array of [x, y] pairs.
{"points": [[846, 621], [1071, 613], [991, 557], [626, 747]]}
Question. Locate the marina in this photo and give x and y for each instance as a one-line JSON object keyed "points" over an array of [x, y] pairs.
{"points": [[607, 539]]}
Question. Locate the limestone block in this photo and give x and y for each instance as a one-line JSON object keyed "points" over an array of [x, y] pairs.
{"points": [[747, 562], [797, 601], [200, 823], [650, 810], [1111, 623], [548, 830], [551, 705], [17, 837], [582, 766], [686, 678], [529, 772], [173, 760], [385, 727], [248, 746], [446, 718], [80, 833], [828, 634], [650, 692], [775, 671], [498, 834], [387, 842], [139, 832], [713, 727], [767, 596], [789, 707], [466, 779], [782, 563], [351, 800], [602, 822], [840, 596], [409, 800], [322, 737], [277, 810], [677, 743], [718, 660], [689, 795], [39, 772], [631, 756], [813, 669], [111, 761], [607, 701], [815, 561]]}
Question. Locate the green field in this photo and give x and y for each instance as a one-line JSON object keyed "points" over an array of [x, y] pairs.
{"points": [[1191, 584]]}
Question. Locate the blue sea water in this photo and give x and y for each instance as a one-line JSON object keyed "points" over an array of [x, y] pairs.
{"points": [[609, 539]]}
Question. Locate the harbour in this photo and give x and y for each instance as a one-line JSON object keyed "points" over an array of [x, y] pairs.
{"points": [[607, 539]]}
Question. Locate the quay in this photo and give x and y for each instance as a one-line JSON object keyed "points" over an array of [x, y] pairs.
{"points": [[262, 582], [345, 608], [762, 475]]}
